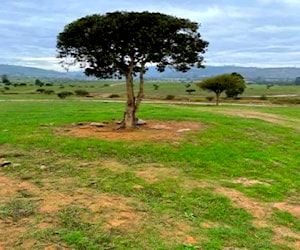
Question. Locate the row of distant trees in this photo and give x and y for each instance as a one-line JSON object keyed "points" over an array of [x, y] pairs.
{"points": [[38, 82]]}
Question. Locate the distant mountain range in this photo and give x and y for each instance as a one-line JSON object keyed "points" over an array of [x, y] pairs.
{"points": [[250, 73]]}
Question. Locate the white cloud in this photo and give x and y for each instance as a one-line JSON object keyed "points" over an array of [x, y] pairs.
{"points": [[239, 32]]}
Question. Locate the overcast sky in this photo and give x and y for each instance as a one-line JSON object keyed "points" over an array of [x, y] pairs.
{"points": [[264, 33]]}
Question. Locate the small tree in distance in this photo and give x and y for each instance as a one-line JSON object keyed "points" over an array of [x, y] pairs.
{"points": [[5, 80], [236, 87], [218, 84], [39, 83]]}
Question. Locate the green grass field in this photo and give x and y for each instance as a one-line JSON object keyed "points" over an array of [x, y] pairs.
{"points": [[232, 184]]}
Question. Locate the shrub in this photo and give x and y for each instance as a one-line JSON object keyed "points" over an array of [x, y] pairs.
{"points": [[6, 88], [39, 83], [40, 90], [64, 94], [114, 96], [106, 85], [263, 97], [209, 98], [156, 86], [81, 92], [190, 91], [170, 97], [48, 84], [49, 92]]}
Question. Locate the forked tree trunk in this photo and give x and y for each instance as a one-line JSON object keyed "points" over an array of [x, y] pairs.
{"points": [[132, 104]]}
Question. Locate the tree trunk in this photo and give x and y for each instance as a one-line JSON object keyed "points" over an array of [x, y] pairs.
{"points": [[218, 98], [140, 95], [132, 105], [129, 114]]}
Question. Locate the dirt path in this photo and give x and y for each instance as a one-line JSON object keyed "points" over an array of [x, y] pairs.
{"points": [[150, 102]]}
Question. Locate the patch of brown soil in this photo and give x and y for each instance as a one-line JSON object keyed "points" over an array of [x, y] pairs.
{"points": [[153, 174], [152, 131], [117, 211], [114, 166], [190, 240], [176, 231], [272, 118], [249, 182], [290, 208], [8, 188], [281, 235], [28, 244], [255, 208], [191, 184], [261, 212], [210, 224], [10, 232]]}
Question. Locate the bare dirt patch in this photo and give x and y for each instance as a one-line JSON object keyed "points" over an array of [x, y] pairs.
{"points": [[8, 188], [114, 166], [152, 131], [281, 235], [255, 115], [271, 118], [252, 206], [293, 209], [153, 174], [250, 182], [262, 212], [13, 231]]}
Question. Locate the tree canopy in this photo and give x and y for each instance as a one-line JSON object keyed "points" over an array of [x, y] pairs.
{"points": [[122, 43], [233, 84]]}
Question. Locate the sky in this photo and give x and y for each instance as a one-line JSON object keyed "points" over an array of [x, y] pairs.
{"points": [[261, 33]]}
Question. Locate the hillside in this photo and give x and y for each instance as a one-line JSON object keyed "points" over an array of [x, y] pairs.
{"points": [[250, 73]]}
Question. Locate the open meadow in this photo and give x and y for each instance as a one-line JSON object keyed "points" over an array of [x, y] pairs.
{"points": [[193, 177], [158, 90]]}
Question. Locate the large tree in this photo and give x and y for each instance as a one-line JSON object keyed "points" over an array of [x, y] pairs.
{"points": [[121, 44], [233, 83]]}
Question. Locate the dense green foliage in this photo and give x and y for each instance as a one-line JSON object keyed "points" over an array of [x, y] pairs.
{"points": [[233, 84], [109, 45]]}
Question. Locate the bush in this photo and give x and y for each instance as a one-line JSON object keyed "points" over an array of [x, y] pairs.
{"points": [[106, 85], [40, 90], [48, 84], [190, 91], [114, 96], [170, 97], [156, 86], [6, 88], [81, 92], [263, 97], [38, 83], [49, 92], [209, 98], [64, 94]]}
